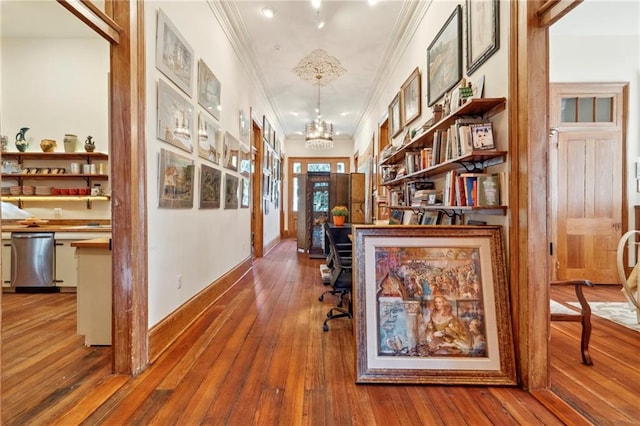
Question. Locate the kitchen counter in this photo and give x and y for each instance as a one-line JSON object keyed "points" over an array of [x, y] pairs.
{"points": [[57, 228], [103, 243]]}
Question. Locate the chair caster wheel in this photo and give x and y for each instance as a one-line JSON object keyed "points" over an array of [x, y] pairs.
{"points": [[325, 327]]}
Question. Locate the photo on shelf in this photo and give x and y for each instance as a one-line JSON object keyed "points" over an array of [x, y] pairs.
{"points": [[482, 136], [430, 217]]}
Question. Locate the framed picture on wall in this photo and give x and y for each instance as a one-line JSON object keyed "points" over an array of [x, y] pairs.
{"points": [[432, 306], [175, 117], [395, 116], [175, 181], [230, 191], [210, 138], [174, 56], [411, 97], [209, 90], [444, 58], [483, 32], [210, 184]]}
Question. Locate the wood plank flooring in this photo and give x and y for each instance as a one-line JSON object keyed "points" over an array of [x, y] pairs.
{"points": [[259, 356]]}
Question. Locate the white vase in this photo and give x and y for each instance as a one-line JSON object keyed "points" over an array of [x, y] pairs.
{"points": [[70, 142]]}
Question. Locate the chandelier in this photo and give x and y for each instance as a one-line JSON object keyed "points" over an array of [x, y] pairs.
{"points": [[321, 69], [318, 133]]}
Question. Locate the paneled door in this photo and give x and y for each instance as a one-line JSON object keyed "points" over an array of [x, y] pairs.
{"points": [[302, 165], [587, 179]]}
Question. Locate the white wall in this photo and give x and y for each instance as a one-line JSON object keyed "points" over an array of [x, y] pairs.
{"points": [[56, 86], [198, 245]]}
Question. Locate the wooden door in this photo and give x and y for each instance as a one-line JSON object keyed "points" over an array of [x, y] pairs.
{"points": [[587, 180]]}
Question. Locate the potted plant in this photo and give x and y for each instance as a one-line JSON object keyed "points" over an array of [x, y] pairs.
{"points": [[339, 214]]}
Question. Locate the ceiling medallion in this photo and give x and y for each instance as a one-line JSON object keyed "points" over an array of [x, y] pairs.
{"points": [[319, 68]]}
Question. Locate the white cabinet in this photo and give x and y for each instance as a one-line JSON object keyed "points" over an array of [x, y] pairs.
{"points": [[94, 293], [6, 262], [66, 263]]}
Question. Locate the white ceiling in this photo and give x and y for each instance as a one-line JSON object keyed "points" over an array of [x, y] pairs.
{"points": [[365, 38]]}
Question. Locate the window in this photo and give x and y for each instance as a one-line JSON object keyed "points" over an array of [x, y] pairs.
{"points": [[587, 110]]}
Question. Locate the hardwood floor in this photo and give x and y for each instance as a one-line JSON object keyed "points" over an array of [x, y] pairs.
{"points": [[259, 356]]}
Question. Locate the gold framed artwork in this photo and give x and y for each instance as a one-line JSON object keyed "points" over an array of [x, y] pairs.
{"points": [[432, 305], [411, 98]]}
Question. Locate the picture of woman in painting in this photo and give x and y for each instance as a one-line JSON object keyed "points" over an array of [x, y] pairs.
{"points": [[444, 333]]}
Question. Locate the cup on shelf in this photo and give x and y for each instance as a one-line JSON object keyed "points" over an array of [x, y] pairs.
{"points": [[86, 169], [73, 191], [83, 191], [64, 191], [75, 168]]}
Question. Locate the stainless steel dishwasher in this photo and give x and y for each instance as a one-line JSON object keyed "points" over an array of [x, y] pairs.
{"points": [[33, 261]]}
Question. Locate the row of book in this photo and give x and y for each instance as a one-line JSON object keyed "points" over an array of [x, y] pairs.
{"points": [[472, 189], [465, 136]]}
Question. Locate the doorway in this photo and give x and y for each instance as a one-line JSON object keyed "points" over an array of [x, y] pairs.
{"points": [[587, 179], [301, 165]]}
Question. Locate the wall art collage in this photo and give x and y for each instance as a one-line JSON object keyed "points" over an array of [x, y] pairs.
{"points": [[188, 120]]}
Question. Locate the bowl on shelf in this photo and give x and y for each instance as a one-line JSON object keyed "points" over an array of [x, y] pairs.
{"points": [[28, 190], [33, 221], [15, 190]]}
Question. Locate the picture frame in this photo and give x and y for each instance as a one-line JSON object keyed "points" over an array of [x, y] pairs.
{"points": [[175, 118], [430, 217], [444, 58], [411, 97], [244, 199], [210, 138], [245, 160], [266, 130], [176, 174], [482, 136], [483, 32], [413, 324], [209, 90], [395, 116], [243, 126], [210, 184], [230, 191], [231, 152], [174, 56]]}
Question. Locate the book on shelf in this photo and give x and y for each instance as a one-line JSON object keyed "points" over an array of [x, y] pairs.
{"points": [[463, 131], [482, 136], [481, 189], [396, 216], [488, 190]]}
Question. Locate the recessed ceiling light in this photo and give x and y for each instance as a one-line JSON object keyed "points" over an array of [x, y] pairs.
{"points": [[267, 12], [344, 113], [372, 2], [320, 25], [316, 3]]}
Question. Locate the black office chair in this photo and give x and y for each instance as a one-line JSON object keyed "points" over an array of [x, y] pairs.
{"points": [[340, 281]]}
